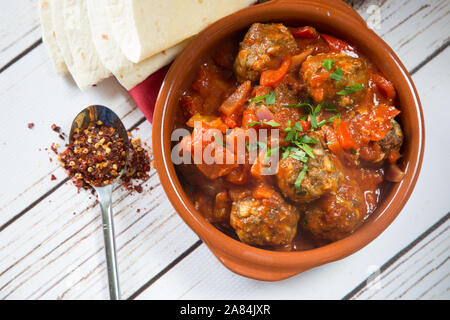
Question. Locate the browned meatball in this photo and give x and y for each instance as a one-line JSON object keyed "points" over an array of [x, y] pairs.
{"points": [[261, 44], [322, 87], [264, 221], [393, 140], [335, 216], [323, 175]]}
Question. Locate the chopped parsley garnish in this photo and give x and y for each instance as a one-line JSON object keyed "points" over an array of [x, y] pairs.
{"points": [[299, 105], [269, 123], [301, 175], [269, 98], [298, 154], [352, 89], [219, 141], [328, 64], [337, 115], [298, 126], [270, 151], [305, 147], [337, 74], [330, 107], [313, 114], [254, 146]]}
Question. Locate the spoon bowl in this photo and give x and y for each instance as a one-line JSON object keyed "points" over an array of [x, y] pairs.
{"points": [[93, 114]]}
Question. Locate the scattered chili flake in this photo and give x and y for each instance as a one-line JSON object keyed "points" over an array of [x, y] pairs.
{"points": [[31, 125], [52, 177], [54, 148], [138, 210], [56, 128]]}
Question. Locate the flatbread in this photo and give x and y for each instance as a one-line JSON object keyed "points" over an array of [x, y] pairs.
{"points": [[143, 28], [49, 36], [87, 69], [57, 7], [129, 74]]}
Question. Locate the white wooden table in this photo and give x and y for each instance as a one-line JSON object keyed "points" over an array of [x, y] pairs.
{"points": [[51, 241]]}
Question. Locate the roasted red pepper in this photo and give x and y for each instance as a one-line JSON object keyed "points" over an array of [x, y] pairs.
{"points": [[305, 33], [270, 78], [337, 45], [344, 135]]}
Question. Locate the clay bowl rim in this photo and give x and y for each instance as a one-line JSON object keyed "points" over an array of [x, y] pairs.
{"points": [[387, 211]]}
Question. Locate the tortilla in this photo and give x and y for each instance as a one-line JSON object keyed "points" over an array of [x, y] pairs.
{"points": [[57, 7], [49, 36], [143, 28], [129, 74], [87, 69]]}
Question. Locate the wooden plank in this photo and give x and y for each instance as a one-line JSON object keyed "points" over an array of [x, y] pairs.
{"points": [[404, 24], [61, 253], [31, 262], [422, 272], [428, 203], [19, 28], [32, 93], [32, 180]]}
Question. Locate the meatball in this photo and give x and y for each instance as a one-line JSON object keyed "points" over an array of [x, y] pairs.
{"points": [[264, 220], [324, 87], [378, 151], [323, 175], [335, 216], [261, 44], [393, 140]]}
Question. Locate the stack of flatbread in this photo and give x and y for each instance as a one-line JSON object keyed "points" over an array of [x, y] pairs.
{"points": [[129, 39]]}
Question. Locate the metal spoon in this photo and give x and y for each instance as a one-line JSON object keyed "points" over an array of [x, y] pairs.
{"points": [[109, 118]]}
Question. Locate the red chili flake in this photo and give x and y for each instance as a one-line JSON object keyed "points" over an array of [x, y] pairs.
{"points": [[138, 189], [30, 125], [54, 147], [138, 210], [56, 128], [50, 159], [52, 177]]}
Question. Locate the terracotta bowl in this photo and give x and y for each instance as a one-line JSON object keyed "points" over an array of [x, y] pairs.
{"points": [[332, 17]]}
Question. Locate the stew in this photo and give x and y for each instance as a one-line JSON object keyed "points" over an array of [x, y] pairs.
{"points": [[324, 120]]}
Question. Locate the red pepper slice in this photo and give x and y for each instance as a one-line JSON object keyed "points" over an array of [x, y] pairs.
{"points": [[305, 33], [385, 86], [337, 45], [343, 134], [270, 78]]}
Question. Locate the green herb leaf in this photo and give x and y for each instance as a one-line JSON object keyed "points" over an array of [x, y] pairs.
{"points": [[299, 155], [307, 139], [286, 153], [254, 146], [301, 175], [298, 126], [321, 123], [270, 151], [290, 136], [306, 148], [328, 64], [270, 99], [269, 123], [352, 89], [330, 107], [337, 74], [219, 141], [299, 105]]}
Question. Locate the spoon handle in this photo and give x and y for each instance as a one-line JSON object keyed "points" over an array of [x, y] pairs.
{"points": [[105, 200]]}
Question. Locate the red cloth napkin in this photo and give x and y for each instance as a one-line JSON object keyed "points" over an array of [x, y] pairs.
{"points": [[146, 92]]}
